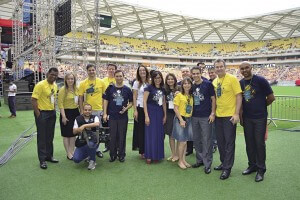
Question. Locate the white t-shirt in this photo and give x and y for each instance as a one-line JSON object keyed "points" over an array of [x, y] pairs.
{"points": [[140, 96], [76, 124], [11, 88]]}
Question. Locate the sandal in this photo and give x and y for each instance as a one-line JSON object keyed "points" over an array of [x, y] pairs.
{"points": [[170, 158]]}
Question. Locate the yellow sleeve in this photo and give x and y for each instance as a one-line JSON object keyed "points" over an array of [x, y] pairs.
{"points": [[81, 88], [236, 86], [177, 99], [103, 86], [37, 91], [61, 97], [106, 83]]}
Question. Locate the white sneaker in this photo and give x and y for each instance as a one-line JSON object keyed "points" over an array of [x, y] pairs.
{"points": [[92, 165]]}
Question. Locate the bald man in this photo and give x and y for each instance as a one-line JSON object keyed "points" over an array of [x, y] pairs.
{"points": [[257, 95]]}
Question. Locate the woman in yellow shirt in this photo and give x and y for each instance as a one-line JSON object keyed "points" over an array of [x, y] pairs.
{"points": [[68, 105], [182, 129]]}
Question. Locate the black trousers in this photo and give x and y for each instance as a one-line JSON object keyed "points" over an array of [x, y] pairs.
{"points": [[189, 146], [254, 131], [118, 130], [45, 125], [226, 134], [139, 132]]}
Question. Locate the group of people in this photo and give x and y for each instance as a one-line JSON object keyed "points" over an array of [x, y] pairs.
{"points": [[194, 113]]}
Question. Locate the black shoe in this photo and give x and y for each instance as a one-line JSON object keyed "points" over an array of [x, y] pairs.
{"points": [[225, 174], [249, 170], [52, 160], [214, 148], [105, 150], [188, 153], [121, 159], [196, 165], [259, 177], [99, 154], [220, 167], [43, 165], [207, 170], [112, 159]]}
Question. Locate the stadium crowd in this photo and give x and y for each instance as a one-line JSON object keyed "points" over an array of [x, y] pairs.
{"points": [[270, 72]]}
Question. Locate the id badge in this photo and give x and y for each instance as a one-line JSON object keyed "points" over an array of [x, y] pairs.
{"points": [[247, 95], [76, 99], [219, 91], [52, 99], [197, 100], [119, 101], [160, 101], [188, 109], [171, 105]]}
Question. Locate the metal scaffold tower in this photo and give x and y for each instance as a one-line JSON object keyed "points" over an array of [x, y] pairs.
{"points": [[38, 44]]}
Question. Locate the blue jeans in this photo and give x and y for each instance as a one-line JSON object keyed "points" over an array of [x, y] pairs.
{"points": [[85, 151]]}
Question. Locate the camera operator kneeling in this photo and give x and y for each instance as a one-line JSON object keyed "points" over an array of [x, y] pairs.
{"points": [[85, 127]]}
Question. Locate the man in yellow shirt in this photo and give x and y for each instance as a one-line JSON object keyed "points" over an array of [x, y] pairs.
{"points": [[110, 79], [228, 103], [90, 91], [43, 103]]}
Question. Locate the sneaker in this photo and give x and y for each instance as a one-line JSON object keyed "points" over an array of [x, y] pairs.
{"points": [[92, 165]]}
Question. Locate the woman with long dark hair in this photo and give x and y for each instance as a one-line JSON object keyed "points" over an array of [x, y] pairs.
{"points": [[182, 130], [155, 117], [170, 88], [142, 80], [68, 106]]}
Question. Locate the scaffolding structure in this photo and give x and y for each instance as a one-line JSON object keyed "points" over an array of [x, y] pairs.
{"points": [[44, 47]]}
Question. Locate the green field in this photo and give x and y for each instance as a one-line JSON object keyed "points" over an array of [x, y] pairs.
{"points": [[21, 177]]}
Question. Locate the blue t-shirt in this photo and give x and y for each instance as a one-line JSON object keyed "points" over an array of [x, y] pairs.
{"points": [[202, 94], [117, 98], [156, 95], [255, 92]]}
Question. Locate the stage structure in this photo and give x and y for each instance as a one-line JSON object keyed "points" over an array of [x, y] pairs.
{"points": [[39, 34]]}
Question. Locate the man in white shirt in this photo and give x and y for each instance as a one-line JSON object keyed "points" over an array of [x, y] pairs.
{"points": [[12, 90]]}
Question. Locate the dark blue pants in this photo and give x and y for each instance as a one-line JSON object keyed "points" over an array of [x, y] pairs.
{"points": [[12, 105], [85, 151]]}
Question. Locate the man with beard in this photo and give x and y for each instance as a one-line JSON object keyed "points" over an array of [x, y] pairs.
{"points": [[257, 95]]}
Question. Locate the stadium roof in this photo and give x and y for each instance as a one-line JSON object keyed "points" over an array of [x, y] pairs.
{"points": [[138, 22]]}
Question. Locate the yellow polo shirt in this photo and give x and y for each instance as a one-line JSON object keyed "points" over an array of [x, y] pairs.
{"points": [[92, 90], [181, 101], [67, 99], [226, 103], [43, 92], [108, 81]]}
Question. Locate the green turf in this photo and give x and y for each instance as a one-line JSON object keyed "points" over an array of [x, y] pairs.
{"points": [[21, 178]]}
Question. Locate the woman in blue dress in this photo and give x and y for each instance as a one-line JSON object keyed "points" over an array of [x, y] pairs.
{"points": [[155, 117]]}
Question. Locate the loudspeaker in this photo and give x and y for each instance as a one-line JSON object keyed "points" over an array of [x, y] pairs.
{"points": [[63, 19], [8, 64]]}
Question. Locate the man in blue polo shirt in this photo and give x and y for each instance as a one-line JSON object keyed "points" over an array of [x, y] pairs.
{"points": [[257, 95], [203, 117], [117, 100]]}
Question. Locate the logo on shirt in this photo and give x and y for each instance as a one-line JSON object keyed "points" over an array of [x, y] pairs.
{"points": [[197, 94], [158, 95], [118, 98], [248, 93], [170, 97]]}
